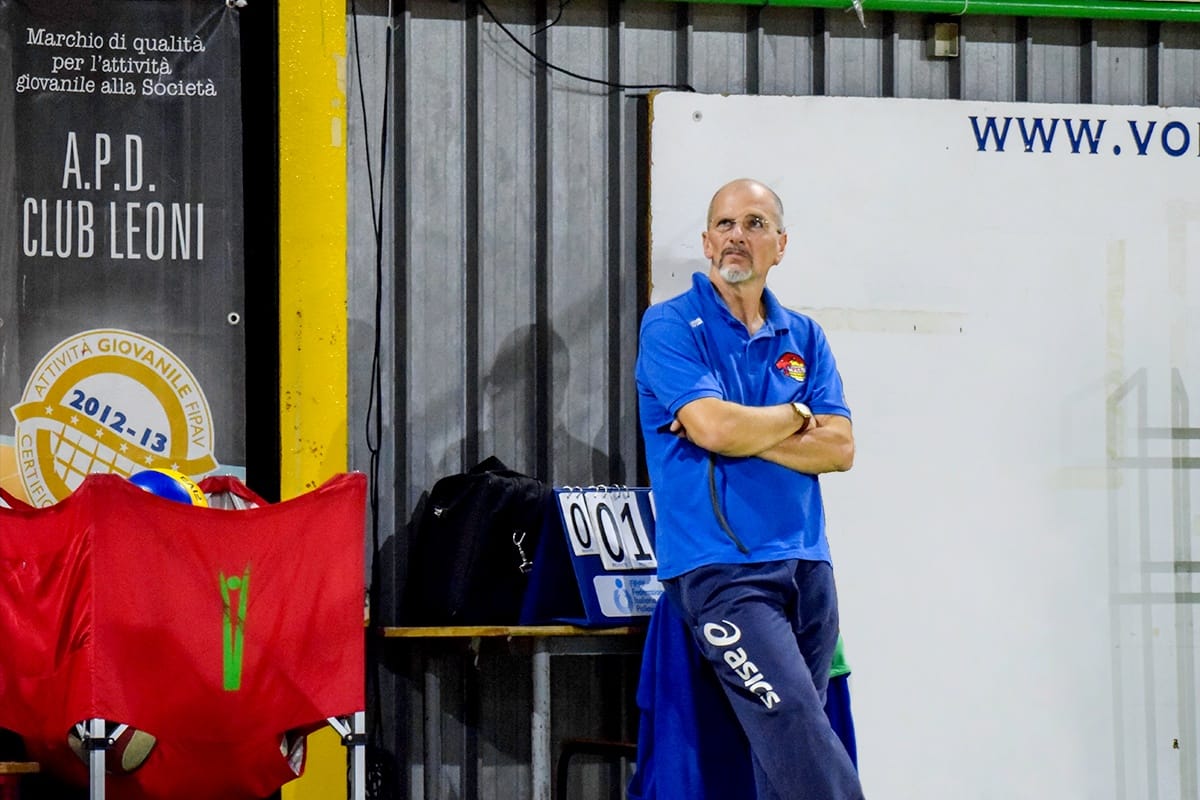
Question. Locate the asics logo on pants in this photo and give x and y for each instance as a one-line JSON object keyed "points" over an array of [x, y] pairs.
{"points": [[725, 634]]}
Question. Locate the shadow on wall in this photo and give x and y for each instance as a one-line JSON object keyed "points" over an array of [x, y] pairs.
{"points": [[508, 394], [510, 427]]}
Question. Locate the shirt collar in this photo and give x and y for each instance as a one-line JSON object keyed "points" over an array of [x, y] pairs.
{"points": [[776, 320]]}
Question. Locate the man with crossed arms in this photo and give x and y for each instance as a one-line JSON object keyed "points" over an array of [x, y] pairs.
{"points": [[741, 408]]}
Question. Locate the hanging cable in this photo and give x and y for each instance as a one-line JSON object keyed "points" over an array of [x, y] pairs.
{"points": [[373, 424], [562, 4], [554, 67], [374, 416]]}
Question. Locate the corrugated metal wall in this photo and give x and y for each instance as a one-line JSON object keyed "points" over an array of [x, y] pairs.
{"points": [[509, 254]]}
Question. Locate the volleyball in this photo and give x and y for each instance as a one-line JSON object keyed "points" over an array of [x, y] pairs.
{"points": [[170, 484], [128, 748]]}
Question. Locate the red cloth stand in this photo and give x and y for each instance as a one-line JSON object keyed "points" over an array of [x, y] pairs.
{"points": [[215, 630]]}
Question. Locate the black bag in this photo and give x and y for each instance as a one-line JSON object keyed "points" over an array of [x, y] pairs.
{"points": [[472, 538]]}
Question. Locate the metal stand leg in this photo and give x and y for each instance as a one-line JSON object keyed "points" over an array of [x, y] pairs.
{"points": [[540, 722], [96, 744], [354, 736], [359, 772], [432, 731]]}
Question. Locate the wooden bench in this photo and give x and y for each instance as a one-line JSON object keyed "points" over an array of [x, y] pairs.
{"points": [[19, 767]]}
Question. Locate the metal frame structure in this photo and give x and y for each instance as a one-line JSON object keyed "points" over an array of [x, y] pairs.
{"points": [[352, 730]]}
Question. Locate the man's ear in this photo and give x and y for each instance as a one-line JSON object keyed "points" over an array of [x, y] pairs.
{"points": [[706, 244]]}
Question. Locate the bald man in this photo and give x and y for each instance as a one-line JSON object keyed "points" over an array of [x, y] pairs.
{"points": [[741, 409]]}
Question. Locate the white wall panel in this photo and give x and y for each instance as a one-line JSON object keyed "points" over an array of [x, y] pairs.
{"points": [[1124, 57], [1056, 61], [990, 67], [1179, 74], [786, 51], [917, 73]]}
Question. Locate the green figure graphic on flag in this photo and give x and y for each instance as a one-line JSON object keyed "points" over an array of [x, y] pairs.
{"points": [[233, 626]]}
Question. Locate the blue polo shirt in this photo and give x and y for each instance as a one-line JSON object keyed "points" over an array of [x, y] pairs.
{"points": [[690, 347]]}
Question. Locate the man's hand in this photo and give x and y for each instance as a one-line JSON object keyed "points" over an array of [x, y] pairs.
{"points": [[676, 428]]}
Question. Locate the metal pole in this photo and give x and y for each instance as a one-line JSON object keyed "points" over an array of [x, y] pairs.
{"points": [[97, 746], [432, 731], [540, 721], [354, 738], [359, 770]]}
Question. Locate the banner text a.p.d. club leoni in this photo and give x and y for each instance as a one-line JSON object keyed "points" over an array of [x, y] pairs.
{"points": [[121, 241]]}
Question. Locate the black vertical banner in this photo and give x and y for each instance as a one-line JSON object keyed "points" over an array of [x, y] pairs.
{"points": [[121, 241]]}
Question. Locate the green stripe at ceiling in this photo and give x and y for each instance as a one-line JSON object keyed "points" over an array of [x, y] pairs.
{"points": [[1150, 10]]}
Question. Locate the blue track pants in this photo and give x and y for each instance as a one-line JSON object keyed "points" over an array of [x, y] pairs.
{"points": [[769, 631]]}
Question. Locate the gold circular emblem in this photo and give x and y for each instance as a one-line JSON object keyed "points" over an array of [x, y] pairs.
{"points": [[109, 401]]}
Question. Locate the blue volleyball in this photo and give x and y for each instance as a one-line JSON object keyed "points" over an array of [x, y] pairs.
{"points": [[170, 484]]}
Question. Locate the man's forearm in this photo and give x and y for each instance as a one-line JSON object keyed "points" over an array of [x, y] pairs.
{"points": [[731, 429], [827, 446]]}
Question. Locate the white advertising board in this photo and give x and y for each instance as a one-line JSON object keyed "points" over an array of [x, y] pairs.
{"points": [[1011, 292]]}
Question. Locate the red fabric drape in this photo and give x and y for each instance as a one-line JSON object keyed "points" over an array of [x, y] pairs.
{"points": [[214, 630], [8, 501]]}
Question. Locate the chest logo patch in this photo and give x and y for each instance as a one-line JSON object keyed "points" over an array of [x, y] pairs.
{"points": [[792, 366]]}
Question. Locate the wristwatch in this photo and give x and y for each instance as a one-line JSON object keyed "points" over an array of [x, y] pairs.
{"points": [[804, 412]]}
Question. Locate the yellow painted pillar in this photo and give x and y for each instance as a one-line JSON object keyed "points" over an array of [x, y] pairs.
{"points": [[312, 287]]}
